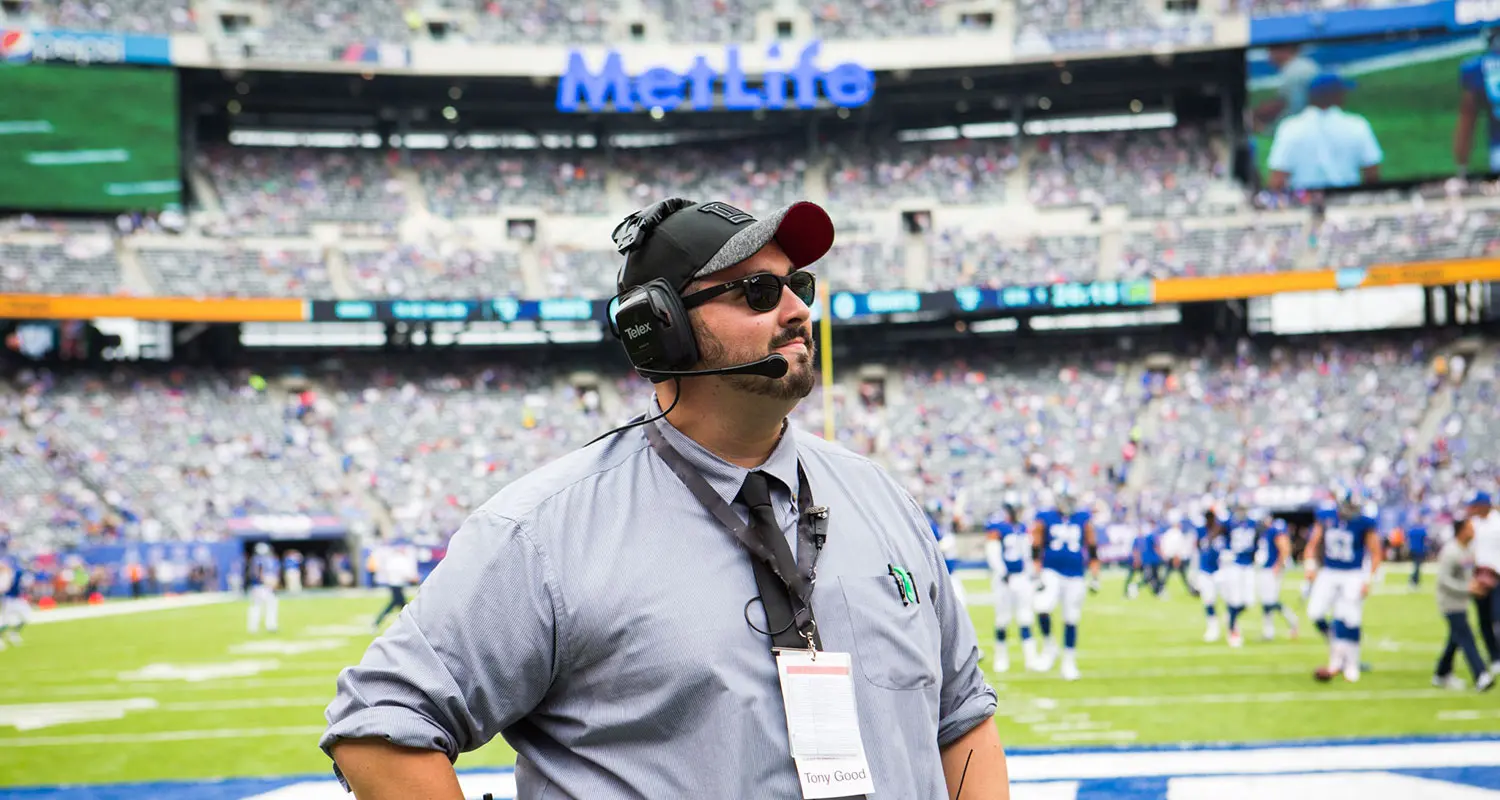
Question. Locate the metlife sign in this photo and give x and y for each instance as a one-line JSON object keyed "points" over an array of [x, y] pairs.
{"points": [[704, 86]]}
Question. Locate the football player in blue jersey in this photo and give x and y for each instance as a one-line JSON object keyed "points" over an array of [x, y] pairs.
{"points": [[1006, 548], [1213, 541], [1479, 84], [1146, 558], [1344, 539], [1271, 554], [1416, 547], [1063, 542], [14, 610], [261, 580], [1237, 574], [947, 542]]}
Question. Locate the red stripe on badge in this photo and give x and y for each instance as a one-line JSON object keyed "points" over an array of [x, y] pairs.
{"points": [[809, 669]]}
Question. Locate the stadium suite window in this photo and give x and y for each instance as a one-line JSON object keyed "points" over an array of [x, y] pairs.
{"points": [[233, 22], [980, 20], [1182, 6]]}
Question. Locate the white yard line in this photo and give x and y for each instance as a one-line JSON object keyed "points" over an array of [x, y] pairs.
{"points": [[162, 736], [172, 687], [1467, 715], [123, 607], [319, 701], [1244, 670], [1327, 696]]}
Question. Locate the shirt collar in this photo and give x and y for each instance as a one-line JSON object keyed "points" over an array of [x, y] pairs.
{"points": [[724, 477]]}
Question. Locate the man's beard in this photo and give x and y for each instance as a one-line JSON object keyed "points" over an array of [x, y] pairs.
{"points": [[796, 384]]}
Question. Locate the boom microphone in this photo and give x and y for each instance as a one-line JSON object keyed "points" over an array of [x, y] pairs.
{"points": [[772, 366]]}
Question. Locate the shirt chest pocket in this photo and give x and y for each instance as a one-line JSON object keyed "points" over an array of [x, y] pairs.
{"points": [[896, 646]]}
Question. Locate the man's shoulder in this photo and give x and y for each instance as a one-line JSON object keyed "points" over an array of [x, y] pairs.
{"points": [[550, 485], [839, 458]]}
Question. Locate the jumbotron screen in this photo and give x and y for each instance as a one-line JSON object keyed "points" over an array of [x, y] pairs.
{"points": [[100, 138], [1341, 114]]}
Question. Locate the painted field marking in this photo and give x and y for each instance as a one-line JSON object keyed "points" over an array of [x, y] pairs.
{"points": [[162, 736]]}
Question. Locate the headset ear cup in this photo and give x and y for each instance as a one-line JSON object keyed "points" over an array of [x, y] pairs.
{"points": [[678, 346]]}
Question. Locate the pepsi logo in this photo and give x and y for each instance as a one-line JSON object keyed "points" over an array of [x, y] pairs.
{"points": [[15, 45]]}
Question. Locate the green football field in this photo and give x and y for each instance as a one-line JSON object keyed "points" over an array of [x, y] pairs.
{"points": [[88, 138], [186, 693], [1413, 109]]}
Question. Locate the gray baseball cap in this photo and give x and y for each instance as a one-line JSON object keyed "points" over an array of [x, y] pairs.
{"points": [[681, 241]]}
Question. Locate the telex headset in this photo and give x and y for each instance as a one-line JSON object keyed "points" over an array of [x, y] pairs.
{"points": [[652, 322], [650, 319]]}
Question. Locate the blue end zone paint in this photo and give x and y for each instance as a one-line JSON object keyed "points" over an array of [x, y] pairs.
{"points": [[1481, 777], [230, 789], [1173, 748], [1145, 788], [1123, 789]]}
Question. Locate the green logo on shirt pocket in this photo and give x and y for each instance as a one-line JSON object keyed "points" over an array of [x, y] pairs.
{"points": [[906, 588]]}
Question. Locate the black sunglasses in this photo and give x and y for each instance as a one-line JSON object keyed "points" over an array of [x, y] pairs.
{"points": [[762, 290]]}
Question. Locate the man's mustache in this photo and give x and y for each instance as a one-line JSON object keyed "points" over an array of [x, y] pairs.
{"points": [[790, 336]]}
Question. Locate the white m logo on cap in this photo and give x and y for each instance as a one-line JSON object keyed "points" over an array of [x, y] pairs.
{"points": [[729, 212]]}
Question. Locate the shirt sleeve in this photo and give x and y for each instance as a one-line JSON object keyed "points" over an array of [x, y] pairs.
{"points": [[966, 698], [474, 653]]}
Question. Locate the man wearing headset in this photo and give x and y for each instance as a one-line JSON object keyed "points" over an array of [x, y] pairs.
{"points": [[631, 619]]}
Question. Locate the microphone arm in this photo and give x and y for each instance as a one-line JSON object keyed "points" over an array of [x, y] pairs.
{"points": [[772, 366]]}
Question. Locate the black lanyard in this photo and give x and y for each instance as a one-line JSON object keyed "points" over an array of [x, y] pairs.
{"points": [[812, 526]]}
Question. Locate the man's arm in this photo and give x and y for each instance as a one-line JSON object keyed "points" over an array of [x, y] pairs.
{"points": [[408, 706], [1463, 132], [379, 770], [974, 764], [966, 701], [1283, 551]]}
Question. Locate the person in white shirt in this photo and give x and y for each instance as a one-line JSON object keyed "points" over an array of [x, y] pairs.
{"points": [[1294, 71], [1323, 146], [395, 568], [1484, 521]]}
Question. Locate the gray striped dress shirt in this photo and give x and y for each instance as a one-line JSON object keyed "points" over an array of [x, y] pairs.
{"points": [[593, 615]]}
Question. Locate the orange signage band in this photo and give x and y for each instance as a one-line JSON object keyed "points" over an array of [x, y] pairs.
{"points": [[172, 309], [1224, 287], [1166, 290]]}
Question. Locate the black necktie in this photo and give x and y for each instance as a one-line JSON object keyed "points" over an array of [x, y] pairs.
{"points": [[775, 594]]}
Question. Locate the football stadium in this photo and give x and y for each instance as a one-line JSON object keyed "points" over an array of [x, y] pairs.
{"points": [[1123, 377]]}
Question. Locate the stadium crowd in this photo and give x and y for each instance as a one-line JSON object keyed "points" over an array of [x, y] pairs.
{"points": [[301, 31], [170, 456], [405, 224]]}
